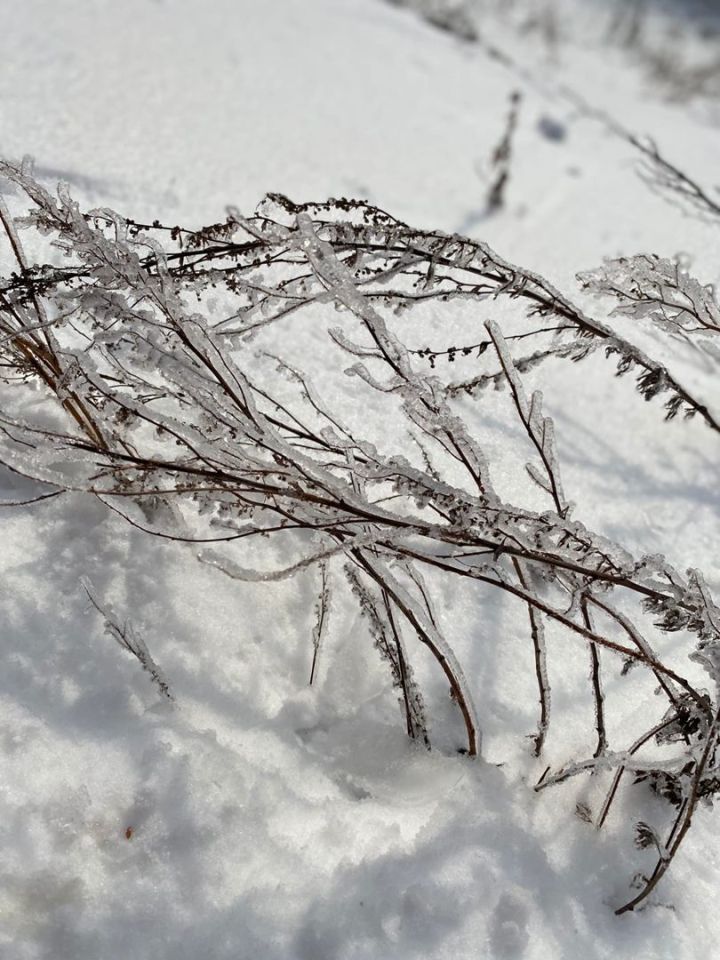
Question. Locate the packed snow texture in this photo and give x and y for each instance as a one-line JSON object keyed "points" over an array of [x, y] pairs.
{"points": [[253, 815]]}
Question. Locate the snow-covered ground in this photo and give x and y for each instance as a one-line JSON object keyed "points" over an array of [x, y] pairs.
{"points": [[258, 817]]}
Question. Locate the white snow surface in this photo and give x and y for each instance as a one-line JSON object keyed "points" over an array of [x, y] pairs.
{"points": [[257, 817]]}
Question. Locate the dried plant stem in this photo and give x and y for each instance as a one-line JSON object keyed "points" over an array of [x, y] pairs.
{"points": [[193, 428], [320, 628], [598, 697], [640, 642], [502, 157], [457, 686], [641, 741], [413, 729], [681, 824], [537, 632], [41, 351]]}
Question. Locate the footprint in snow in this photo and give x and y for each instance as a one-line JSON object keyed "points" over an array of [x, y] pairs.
{"points": [[508, 928]]}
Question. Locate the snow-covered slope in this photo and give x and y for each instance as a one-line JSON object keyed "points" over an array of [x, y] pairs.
{"points": [[258, 817]]}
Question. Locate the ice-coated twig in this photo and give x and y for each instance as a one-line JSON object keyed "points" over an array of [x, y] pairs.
{"points": [[387, 636], [125, 635], [539, 428], [641, 741], [537, 632], [682, 823], [322, 612], [216, 438], [428, 635], [595, 675]]}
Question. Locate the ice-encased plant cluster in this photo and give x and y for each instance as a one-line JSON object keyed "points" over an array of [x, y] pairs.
{"points": [[164, 357]]}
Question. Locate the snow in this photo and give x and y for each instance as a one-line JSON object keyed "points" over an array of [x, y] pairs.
{"points": [[256, 816]]}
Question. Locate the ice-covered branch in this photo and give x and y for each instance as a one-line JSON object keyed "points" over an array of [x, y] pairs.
{"points": [[173, 390]]}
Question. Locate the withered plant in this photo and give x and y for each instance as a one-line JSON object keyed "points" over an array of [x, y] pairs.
{"points": [[181, 401]]}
